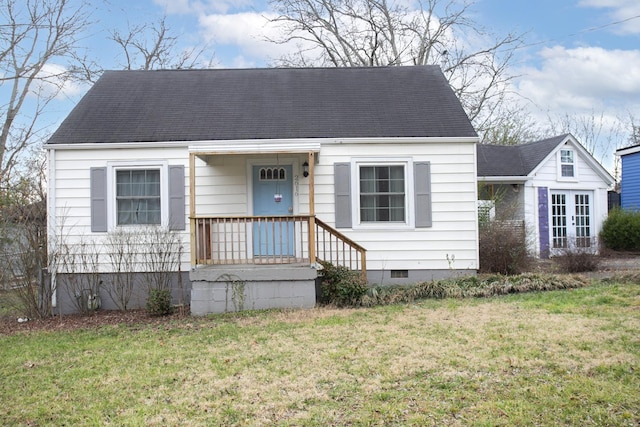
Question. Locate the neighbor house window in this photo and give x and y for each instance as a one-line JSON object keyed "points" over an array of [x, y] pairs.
{"points": [[382, 193], [567, 164], [138, 196]]}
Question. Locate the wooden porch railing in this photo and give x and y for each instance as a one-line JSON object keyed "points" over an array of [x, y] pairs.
{"points": [[336, 248], [273, 240]]}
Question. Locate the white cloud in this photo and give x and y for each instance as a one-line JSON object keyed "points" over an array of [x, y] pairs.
{"points": [[627, 12], [202, 7], [249, 33], [584, 78], [52, 82]]}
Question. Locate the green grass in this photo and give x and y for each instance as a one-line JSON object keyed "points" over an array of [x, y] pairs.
{"points": [[549, 358]]}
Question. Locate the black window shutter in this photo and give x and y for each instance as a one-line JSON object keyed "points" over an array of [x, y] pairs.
{"points": [[176, 198], [342, 188], [422, 183], [98, 184]]}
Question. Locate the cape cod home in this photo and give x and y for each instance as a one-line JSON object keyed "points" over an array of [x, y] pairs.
{"points": [[553, 188], [630, 177], [262, 173]]}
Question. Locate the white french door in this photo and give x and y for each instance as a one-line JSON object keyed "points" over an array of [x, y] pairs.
{"points": [[571, 219]]}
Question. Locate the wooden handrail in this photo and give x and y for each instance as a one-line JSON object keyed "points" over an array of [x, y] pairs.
{"points": [[272, 240], [340, 257]]}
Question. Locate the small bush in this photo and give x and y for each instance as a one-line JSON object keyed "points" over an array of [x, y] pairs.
{"points": [[159, 302], [503, 248], [341, 286], [621, 230], [577, 260]]}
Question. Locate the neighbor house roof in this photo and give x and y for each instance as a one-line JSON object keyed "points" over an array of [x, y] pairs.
{"points": [[276, 103], [515, 160]]}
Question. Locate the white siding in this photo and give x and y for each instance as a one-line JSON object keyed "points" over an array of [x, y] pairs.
{"points": [[547, 175], [69, 192], [223, 188], [453, 186]]}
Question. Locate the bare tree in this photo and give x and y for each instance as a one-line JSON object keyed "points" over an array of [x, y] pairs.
{"points": [[152, 45], [597, 135], [347, 33], [515, 126], [38, 41]]}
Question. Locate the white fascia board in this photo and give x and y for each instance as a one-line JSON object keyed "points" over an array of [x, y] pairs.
{"points": [[110, 145], [629, 150], [257, 146], [402, 140]]}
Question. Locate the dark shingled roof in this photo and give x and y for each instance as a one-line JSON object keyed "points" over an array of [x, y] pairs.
{"points": [[276, 103], [514, 160]]}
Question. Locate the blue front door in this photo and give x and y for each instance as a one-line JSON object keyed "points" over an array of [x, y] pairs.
{"points": [[273, 196]]}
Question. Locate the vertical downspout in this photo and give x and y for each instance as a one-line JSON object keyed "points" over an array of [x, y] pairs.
{"points": [[192, 207], [312, 209]]}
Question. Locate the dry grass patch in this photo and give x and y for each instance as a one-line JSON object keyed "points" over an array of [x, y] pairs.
{"points": [[547, 358]]}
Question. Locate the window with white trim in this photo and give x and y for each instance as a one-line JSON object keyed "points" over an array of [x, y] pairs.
{"points": [[382, 193], [138, 199], [567, 164]]}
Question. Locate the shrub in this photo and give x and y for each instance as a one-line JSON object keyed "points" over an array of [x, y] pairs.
{"points": [[503, 248], [577, 260], [159, 302], [341, 286], [621, 230], [472, 287]]}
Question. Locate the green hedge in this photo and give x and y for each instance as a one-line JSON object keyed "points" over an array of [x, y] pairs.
{"points": [[621, 230]]}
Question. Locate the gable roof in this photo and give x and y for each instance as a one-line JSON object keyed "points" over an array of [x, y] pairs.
{"points": [[515, 160], [275, 103], [524, 160]]}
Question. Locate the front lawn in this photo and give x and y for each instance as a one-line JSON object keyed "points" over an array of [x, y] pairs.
{"points": [[568, 357]]}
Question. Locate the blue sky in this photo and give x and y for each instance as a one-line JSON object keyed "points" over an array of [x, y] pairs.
{"points": [[581, 57]]}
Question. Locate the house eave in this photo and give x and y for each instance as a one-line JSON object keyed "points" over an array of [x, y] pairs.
{"points": [[509, 179], [628, 150], [300, 145], [117, 145]]}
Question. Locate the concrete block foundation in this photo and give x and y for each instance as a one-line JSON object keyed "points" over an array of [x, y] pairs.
{"points": [[221, 289]]}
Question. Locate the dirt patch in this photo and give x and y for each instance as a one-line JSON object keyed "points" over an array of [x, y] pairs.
{"points": [[11, 325]]}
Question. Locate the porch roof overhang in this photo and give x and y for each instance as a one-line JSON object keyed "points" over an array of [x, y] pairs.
{"points": [[254, 147]]}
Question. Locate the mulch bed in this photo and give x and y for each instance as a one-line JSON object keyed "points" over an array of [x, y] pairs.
{"points": [[622, 264], [97, 319]]}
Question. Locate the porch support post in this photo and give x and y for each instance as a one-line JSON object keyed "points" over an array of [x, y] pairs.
{"points": [[192, 206], [312, 209]]}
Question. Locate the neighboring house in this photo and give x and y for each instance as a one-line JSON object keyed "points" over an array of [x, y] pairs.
{"points": [[264, 172], [630, 182], [553, 186]]}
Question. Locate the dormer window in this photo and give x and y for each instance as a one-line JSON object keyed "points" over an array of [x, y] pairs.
{"points": [[567, 164]]}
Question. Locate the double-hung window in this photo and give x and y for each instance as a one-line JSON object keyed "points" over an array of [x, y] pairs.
{"points": [[138, 196], [382, 193], [567, 164], [142, 194]]}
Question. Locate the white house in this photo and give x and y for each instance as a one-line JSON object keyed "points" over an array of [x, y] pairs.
{"points": [[263, 172], [553, 186]]}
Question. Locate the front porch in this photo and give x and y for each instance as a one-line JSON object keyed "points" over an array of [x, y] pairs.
{"points": [[269, 256]]}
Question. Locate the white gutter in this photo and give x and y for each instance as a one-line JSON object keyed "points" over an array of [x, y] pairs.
{"points": [[628, 150], [201, 146]]}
